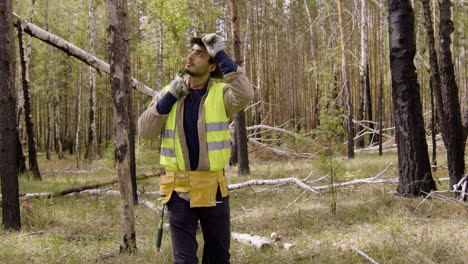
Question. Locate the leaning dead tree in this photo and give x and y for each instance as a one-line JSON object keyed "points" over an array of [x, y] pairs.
{"points": [[120, 80], [75, 51], [32, 152]]}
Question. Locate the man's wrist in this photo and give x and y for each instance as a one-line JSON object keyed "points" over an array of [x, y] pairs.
{"points": [[226, 64], [165, 104]]}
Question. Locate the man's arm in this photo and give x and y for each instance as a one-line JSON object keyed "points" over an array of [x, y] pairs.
{"points": [[238, 92], [151, 122]]}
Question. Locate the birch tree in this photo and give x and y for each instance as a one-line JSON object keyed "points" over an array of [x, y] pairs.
{"points": [[32, 152], [92, 149], [363, 72], [57, 116]]}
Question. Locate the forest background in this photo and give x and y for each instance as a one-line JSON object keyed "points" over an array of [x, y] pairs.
{"points": [[290, 49]]}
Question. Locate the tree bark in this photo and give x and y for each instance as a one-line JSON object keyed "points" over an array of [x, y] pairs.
{"points": [[242, 151], [453, 138], [160, 59], [120, 79], [57, 116], [346, 84], [8, 134], [435, 82], [33, 165], [74, 51], [313, 52], [415, 176], [78, 119], [363, 71], [92, 149], [380, 81]]}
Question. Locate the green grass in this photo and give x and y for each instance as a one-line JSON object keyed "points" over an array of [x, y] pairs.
{"points": [[389, 228]]}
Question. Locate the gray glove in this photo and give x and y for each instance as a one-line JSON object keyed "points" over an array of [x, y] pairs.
{"points": [[178, 87], [213, 43]]}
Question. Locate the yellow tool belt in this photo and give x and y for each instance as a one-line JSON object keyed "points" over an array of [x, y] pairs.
{"points": [[202, 186]]}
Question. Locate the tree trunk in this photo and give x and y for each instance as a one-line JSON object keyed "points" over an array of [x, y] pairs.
{"points": [[57, 133], [313, 51], [92, 149], [160, 59], [363, 70], [8, 134], [435, 82], [74, 51], [78, 119], [433, 127], [380, 82], [415, 176], [47, 87], [347, 86], [120, 79], [33, 165], [453, 138], [242, 151]]}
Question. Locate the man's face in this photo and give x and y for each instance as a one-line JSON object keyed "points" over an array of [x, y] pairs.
{"points": [[197, 63]]}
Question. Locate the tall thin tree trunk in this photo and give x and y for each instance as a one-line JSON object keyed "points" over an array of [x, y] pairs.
{"points": [[33, 165], [57, 132], [415, 176], [380, 83], [160, 59], [120, 79], [433, 127], [242, 152], [363, 71], [313, 52], [8, 134], [435, 81], [92, 149], [347, 86], [453, 138], [78, 119]]}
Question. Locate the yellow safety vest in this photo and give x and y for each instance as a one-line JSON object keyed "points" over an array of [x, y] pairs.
{"points": [[202, 185]]}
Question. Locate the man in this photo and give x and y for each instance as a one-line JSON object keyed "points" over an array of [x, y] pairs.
{"points": [[192, 117]]}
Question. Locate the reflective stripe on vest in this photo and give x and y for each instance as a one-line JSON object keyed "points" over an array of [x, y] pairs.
{"points": [[217, 133]]}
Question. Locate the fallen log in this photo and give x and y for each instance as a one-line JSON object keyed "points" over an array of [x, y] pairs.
{"points": [[74, 51], [272, 182], [83, 187]]}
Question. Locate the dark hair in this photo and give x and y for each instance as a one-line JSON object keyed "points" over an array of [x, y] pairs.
{"points": [[217, 73]]}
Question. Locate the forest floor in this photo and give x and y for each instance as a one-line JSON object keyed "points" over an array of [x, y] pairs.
{"points": [[369, 217]]}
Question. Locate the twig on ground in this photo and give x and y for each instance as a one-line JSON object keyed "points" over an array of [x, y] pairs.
{"points": [[437, 194], [366, 180], [359, 252]]}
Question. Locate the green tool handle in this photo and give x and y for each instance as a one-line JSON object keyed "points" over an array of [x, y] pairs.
{"points": [[160, 231], [159, 236]]}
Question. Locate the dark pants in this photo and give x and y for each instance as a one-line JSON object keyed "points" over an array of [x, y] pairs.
{"points": [[215, 224]]}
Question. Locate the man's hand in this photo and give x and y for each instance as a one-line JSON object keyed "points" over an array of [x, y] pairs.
{"points": [[213, 43], [178, 88]]}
